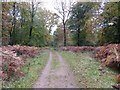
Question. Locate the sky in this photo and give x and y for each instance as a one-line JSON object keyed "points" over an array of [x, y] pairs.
{"points": [[50, 4]]}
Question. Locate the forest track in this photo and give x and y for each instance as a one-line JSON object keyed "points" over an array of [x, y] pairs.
{"points": [[57, 77]]}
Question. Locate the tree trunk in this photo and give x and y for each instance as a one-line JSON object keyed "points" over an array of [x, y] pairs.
{"points": [[78, 36], [118, 23], [119, 29], [13, 35], [78, 30], [64, 34], [31, 25]]}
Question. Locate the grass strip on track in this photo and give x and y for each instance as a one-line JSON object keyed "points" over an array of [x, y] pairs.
{"points": [[32, 68], [86, 71]]}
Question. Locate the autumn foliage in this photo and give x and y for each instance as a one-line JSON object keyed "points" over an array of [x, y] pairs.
{"points": [[77, 48], [13, 58], [117, 78], [108, 55]]}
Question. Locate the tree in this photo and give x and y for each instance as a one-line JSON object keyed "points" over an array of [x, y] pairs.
{"points": [[59, 36], [93, 23], [33, 11], [40, 35], [77, 21], [10, 12], [0, 24], [24, 23], [118, 24], [51, 19], [16, 22], [110, 31], [6, 22], [13, 34], [63, 11]]}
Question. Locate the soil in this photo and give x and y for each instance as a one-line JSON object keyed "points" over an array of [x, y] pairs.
{"points": [[60, 77]]}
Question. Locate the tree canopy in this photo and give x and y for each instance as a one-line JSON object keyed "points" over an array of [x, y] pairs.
{"points": [[82, 23]]}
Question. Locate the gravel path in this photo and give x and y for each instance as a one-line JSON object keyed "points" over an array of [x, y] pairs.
{"points": [[60, 77]]}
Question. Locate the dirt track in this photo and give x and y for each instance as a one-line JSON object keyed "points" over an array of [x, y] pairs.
{"points": [[60, 77]]}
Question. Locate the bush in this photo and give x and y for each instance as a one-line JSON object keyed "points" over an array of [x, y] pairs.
{"points": [[109, 55], [78, 48], [13, 58]]}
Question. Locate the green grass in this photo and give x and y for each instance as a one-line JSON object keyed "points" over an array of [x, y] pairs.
{"points": [[32, 69], [85, 69], [0, 84], [55, 61]]}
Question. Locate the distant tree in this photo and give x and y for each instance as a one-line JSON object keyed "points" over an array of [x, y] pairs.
{"points": [[33, 11], [63, 9], [110, 31], [93, 23], [51, 19], [77, 21], [6, 22], [9, 22], [60, 35], [16, 25], [13, 34]]}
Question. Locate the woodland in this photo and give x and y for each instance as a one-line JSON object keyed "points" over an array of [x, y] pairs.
{"points": [[27, 37]]}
